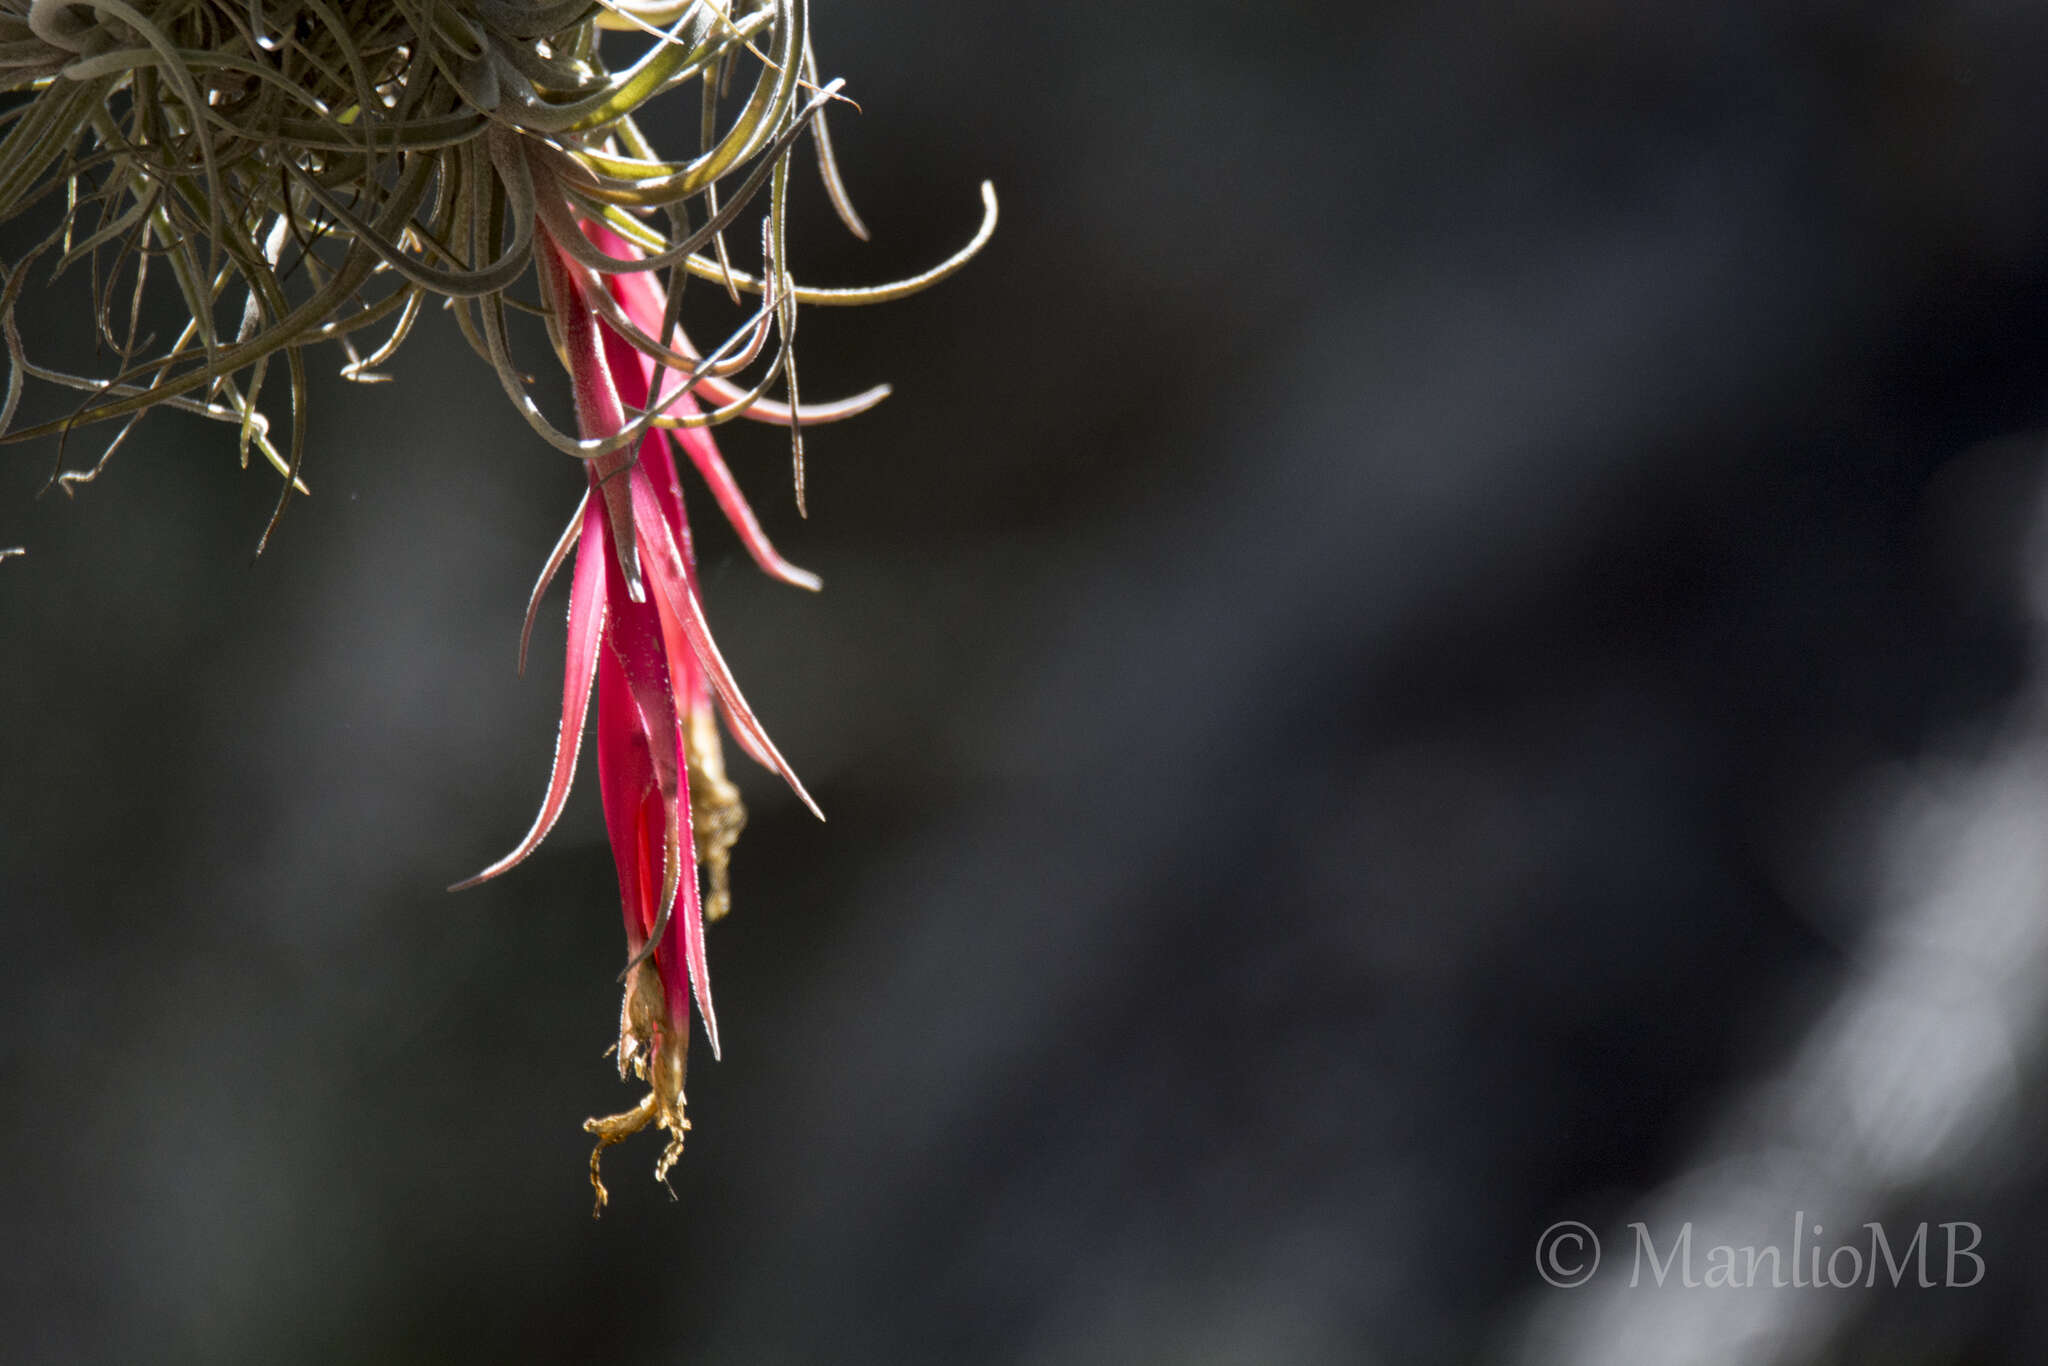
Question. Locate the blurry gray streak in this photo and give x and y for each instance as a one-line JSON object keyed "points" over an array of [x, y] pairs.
{"points": [[1897, 1087], [1432, 437]]}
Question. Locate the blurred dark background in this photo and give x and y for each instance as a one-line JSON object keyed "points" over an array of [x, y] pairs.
{"points": [[1444, 607]]}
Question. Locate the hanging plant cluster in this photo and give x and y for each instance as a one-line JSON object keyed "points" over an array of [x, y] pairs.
{"points": [[315, 171]]}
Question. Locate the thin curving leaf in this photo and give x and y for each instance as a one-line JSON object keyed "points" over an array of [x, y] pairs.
{"points": [[586, 625]]}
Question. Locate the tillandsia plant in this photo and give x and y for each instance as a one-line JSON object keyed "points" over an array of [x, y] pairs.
{"points": [[303, 171]]}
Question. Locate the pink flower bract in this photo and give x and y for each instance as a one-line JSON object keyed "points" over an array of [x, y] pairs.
{"points": [[637, 630]]}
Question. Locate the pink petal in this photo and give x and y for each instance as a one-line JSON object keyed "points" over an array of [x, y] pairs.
{"points": [[703, 453], [686, 918], [643, 767], [746, 741], [598, 411], [586, 624], [570, 535], [644, 302], [635, 637], [671, 580], [683, 663], [625, 776]]}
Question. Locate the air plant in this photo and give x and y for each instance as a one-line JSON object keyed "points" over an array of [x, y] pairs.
{"points": [[310, 171]]}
